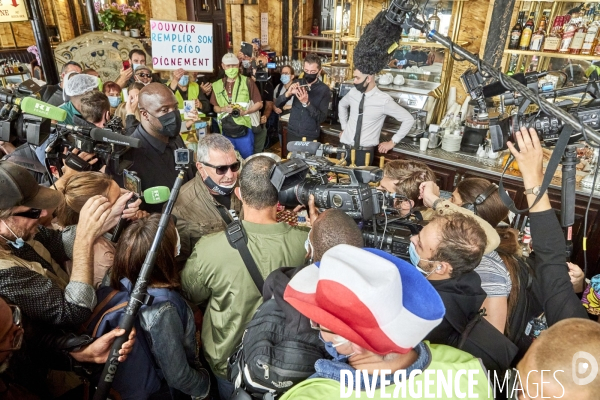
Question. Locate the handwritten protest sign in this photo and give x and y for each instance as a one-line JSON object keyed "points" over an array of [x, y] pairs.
{"points": [[181, 44]]}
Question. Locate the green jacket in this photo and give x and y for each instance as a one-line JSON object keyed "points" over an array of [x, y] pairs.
{"points": [[193, 93], [443, 358], [240, 95], [216, 272]]}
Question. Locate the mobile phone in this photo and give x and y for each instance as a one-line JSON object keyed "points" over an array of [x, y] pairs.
{"points": [[132, 182], [247, 49], [126, 64]]}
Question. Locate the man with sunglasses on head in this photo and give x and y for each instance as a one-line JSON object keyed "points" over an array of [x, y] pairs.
{"points": [[204, 201], [217, 274]]}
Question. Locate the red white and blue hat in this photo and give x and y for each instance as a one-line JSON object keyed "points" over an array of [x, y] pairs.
{"points": [[371, 298]]}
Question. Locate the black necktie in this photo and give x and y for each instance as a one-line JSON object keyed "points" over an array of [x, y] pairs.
{"points": [[359, 123]]}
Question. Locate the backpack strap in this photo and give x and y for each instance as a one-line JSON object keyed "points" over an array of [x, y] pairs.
{"points": [[115, 308], [237, 238], [470, 325], [97, 309]]}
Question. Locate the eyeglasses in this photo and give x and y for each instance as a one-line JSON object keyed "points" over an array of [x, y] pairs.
{"points": [[144, 75], [318, 327], [33, 213], [222, 169], [18, 338]]}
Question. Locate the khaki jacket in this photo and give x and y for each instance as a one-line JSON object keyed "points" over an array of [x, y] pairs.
{"points": [[197, 213]]}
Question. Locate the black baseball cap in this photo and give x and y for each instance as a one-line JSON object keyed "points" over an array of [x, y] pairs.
{"points": [[19, 188]]}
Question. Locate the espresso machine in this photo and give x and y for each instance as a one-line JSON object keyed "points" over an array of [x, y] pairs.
{"points": [[337, 76]]}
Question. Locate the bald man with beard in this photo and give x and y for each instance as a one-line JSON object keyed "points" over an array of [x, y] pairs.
{"points": [[154, 160]]}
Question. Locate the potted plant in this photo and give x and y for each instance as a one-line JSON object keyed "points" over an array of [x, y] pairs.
{"points": [[111, 17], [135, 19]]}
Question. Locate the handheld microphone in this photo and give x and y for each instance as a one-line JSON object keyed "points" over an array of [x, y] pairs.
{"points": [[496, 88], [156, 195], [314, 148], [38, 108]]}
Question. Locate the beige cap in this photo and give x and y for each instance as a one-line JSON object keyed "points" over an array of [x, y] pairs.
{"points": [[230, 59]]}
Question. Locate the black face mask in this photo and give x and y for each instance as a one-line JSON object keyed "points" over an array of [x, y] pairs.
{"points": [[310, 78], [361, 87], [170, 123], [212, 185]]}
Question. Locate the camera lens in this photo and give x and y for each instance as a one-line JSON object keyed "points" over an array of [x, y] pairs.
{"points": [[235, 113]]}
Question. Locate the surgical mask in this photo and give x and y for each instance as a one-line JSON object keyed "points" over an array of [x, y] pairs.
{"points": [[114, 101], [310, 78], [184, 80], [361, 86], [415, 259], [246, 64], [178, 246], [170, 123], [18, 243], [330, 348], [232, 72], [136, 66], [222, 190], [285, 79]]}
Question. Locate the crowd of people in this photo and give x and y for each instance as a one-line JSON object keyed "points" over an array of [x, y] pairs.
{"points": [[465, 298]]}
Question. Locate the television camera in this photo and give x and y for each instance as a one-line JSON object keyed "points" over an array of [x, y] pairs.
{"points": [[307, 172]]}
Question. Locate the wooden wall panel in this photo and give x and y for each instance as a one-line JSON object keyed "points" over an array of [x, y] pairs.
{"points": [[471, 27], [237, 21], [275, 25], [251, 23]]}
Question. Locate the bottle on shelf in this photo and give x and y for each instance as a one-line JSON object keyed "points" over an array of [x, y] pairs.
{"points": [[537, 39], [552, 41], [434, 21], [512, 65], [533, 65], [515, 34], [527, 33], [591, 37], [569, 29], [578, 38]]}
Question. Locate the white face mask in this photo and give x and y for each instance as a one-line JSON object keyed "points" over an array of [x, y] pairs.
{"points": [[18, 243]]}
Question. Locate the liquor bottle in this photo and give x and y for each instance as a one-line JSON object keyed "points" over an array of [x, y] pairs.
{"points": [[591, 37], [552, 42], [512, 65], [515, 34], [578, 38], [569, 29], [527, 33], [537, 40], [434, 20]]}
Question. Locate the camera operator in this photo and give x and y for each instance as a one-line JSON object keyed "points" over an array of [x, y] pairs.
{"points": [[216, 272], [231, 91], [95, 110], [154, 161], [53, 94], [184, 87], [202, 205], [404, 178], [311, 102], [361, 126], [29, 269], [260, 131], [556, 348]]}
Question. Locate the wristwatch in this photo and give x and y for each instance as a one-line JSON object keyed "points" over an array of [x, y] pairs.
{"points": [[305, 104], [534, 190]]}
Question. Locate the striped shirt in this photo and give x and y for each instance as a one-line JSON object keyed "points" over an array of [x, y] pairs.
{"points": [[495, 279]]}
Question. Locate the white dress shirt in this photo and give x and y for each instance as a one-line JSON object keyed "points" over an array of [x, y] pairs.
{"points": [[375, 108]]}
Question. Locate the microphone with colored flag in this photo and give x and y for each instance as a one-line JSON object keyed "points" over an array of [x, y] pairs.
{"points": [[156, 195], [38, 108]]}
